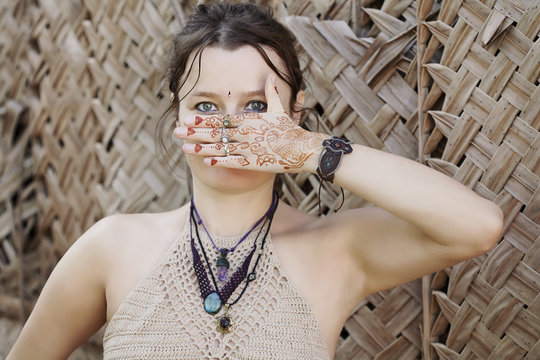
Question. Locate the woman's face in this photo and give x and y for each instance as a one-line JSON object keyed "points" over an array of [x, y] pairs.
{"points": [[242, 74]]}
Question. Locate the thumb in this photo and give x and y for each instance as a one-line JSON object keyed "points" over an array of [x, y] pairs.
{"points": [[272, 95]]}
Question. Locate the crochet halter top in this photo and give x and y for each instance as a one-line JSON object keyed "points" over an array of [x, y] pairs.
{"points": [[163, 316]]}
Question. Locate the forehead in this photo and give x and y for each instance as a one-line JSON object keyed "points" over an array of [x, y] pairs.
{"points": [[230, 70]]}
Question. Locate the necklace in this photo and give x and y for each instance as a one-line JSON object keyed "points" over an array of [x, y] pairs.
{"points": [[222, 263], [214, 297]]}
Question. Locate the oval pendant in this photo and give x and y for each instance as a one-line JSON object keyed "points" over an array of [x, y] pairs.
{"points": [[225, 323], [212, 303]]}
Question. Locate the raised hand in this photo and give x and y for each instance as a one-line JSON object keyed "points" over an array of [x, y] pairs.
{"points": [[269, 141]]}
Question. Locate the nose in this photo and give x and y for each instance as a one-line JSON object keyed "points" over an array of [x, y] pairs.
{"points": [[231, 108]]}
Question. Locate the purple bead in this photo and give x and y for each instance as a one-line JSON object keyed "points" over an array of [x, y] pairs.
{"points": [[224, 322], [222, 273]]}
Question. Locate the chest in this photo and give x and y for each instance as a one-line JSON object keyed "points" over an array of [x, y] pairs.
{"points": [[312, 267]]}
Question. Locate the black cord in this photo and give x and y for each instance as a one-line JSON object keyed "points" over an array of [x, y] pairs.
{"points": [[257, 260], [203, 251], [254, 247]]}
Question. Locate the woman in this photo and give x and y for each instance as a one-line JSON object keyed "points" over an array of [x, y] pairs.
{"points": [[235, 273]]}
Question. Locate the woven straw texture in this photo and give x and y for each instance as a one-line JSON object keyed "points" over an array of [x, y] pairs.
{"points": [[80, 92]]}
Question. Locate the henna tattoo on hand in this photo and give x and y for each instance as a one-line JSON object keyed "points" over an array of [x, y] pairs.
{"points": [[284, 142], [242, 161], [292, 146], [263, 157], [213, 121], [233, 147], [275, 139]]}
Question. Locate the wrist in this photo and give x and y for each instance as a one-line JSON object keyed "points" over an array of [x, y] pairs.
{"points": [[329, 161], [312, 163]]}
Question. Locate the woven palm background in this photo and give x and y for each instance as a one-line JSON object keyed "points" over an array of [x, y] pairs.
{"points": [[80, 92]]}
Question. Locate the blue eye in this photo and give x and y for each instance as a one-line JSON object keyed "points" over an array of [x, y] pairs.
{"points": [[257, 106], [205, 107]]}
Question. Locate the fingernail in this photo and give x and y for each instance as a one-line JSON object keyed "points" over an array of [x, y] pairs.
{"points": [[180, 131], [188, 148], [188, 120], [198, 120]]}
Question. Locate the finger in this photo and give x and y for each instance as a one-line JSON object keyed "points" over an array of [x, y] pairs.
{"points": [[216, 149], [212, 121], [203, 134], [233, 162], [272, 95]]}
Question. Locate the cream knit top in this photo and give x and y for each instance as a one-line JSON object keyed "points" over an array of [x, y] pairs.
{"points": [[163, 316]]}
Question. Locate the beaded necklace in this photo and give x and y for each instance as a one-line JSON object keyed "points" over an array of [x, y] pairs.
{"points": [[213, 296], [222, 263]]}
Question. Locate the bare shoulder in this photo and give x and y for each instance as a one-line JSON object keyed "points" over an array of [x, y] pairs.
{"points": [[289, 219], [123, 235], [327, 229], [329, 233], [134, 244], [319, 247], [75, 300]]}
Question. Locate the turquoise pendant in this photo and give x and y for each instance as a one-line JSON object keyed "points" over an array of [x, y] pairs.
{"points": [[212, 303]]}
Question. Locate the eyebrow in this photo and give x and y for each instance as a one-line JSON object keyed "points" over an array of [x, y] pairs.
{"points": [[211, 94]]}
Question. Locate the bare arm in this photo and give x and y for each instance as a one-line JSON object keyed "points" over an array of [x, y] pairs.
{"points": [[426, 221], [72, 305]]}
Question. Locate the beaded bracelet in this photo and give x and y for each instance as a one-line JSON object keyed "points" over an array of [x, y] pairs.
{"points": [[330, 159]]}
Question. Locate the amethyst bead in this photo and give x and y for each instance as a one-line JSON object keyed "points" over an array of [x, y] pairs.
{"points": [[222, 273]]}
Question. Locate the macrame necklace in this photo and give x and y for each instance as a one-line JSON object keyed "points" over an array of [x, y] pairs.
{"points": [[222, 263], [214, 298]]}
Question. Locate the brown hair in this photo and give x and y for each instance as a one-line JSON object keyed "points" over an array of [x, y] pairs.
{"points": [[228, 26]]}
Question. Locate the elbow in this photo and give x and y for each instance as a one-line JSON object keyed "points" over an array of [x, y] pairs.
{"points": [[492, 231]]}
